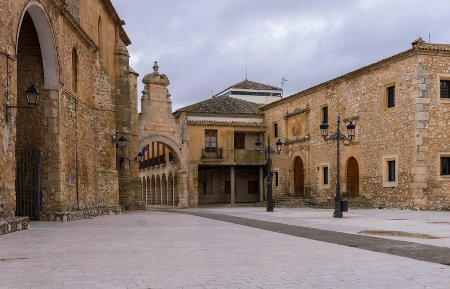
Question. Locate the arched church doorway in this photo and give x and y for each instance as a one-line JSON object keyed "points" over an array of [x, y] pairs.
{"points": [[35, 146], [352, 178], [299, 178]]}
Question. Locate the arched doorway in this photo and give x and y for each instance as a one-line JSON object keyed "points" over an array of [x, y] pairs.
{"points": [[299, 178], [37, 158], [352, 178]]}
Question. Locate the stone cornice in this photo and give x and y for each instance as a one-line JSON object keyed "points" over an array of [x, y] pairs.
{"points": [[113, 12], [297, 140], [296, 112]]}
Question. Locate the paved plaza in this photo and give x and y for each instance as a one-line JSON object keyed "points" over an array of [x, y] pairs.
{"points": [[175, 249]]}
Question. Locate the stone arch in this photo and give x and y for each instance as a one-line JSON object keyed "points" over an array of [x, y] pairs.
{"points": [[36, 128], [175, 148], [46, 41]]}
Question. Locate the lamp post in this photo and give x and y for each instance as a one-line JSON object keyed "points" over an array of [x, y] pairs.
{"points": [[338, 137], [267, 151]]}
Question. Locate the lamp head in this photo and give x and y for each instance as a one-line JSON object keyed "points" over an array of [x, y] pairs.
{"points": [[32, 95]]}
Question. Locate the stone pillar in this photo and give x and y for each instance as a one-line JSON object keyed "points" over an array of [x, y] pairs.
{"points": [[261, 184], [233, 185], [222, 183], [173, 190]]}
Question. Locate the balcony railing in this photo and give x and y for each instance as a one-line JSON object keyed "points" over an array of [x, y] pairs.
{"points": [[248, 157], [149, 163], [209, 154]]}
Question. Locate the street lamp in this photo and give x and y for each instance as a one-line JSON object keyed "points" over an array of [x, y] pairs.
{"points": [[338, 137], [121, 142], [267, 151]]}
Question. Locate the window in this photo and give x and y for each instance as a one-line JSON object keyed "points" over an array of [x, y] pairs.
{"points": [[325, 175], [276, 179], [445, 166], [325, 114], [445, 88], [100, 38], [391, 171], [74, 70], [210, 140], [390, 96], [275, 129], [239, 141]]}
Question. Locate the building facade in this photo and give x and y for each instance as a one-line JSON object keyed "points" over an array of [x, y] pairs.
{"points": [[201, 154], [59, 159], [400, 157]]}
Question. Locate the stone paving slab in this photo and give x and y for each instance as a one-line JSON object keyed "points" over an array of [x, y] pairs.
{"points": [[162, 250], [435, 223], [440, 255]]}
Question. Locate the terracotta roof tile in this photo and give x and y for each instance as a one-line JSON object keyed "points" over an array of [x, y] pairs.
{"points": [[248, 84], [222, 105], [225, 123]]}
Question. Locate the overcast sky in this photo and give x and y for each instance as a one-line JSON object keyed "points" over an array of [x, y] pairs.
{"points": [[203, 45]]}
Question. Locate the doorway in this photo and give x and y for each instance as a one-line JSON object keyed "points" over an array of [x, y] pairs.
{"points": [[299, 178], [352, 178]]}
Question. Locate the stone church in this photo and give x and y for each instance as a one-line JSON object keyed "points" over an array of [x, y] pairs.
{"points": [[72, 153]]}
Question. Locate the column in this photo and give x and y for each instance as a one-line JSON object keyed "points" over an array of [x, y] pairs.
{"points": [[232, 185], [261, 184]]}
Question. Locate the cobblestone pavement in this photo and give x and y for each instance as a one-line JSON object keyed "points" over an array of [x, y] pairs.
{"points": [[155, 249]]}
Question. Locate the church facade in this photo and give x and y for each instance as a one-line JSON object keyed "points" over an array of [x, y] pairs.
{"points": [[60, 158]]}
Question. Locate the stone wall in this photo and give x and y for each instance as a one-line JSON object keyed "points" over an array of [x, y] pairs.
{"points": [[75, 121], [413, 133]]}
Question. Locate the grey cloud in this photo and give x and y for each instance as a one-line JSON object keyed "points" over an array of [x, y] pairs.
{"points": [[201, 44]]}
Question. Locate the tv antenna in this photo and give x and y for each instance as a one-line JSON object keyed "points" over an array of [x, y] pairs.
{"points": [[283, 80]]}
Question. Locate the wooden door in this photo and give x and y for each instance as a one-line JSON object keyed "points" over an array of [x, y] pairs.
{"points": [[352, 178], [299, 178]]}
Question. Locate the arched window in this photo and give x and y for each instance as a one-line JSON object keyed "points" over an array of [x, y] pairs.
{"points": [[100, 38], [74, 70]]}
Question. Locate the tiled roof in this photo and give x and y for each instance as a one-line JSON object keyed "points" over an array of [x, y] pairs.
{"points": [[418, 45], [226, 123], [222, 105], [247, 84]]}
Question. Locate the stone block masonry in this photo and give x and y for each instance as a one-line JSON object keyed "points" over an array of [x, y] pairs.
{"points": [[412, 135]]}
